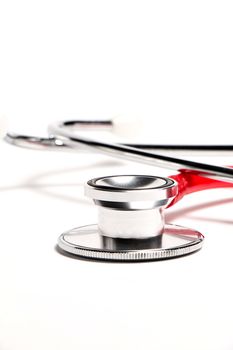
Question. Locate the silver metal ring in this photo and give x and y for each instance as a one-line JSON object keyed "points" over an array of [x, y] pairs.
{"points": [[128, 188], [88, 242]]}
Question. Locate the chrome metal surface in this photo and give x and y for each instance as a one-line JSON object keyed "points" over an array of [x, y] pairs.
{"points": [[88, 242], [131, 206], [62, 134], [36, 143], [58, 130], [49, 143], [130, 188]]}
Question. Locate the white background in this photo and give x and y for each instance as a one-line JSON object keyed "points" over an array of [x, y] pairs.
{"points": [[169, 62]]}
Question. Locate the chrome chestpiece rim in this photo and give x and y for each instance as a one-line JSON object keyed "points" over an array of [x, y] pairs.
{"points": [[131, 222]]}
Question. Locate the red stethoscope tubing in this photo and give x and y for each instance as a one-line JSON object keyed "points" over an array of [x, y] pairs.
{"points": [[190, 182]]}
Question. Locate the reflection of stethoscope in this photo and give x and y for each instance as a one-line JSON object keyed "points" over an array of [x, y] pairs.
{"points": [[130, 207]]}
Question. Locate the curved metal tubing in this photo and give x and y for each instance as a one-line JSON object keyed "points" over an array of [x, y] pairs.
{"points": [[50, 143], [62, 138]]}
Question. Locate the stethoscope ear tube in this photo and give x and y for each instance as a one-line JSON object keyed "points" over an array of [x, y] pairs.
{"points": [[63, 137], [59, 132]]}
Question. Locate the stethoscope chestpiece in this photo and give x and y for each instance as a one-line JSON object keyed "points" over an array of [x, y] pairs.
{"points": [[131, 222]]}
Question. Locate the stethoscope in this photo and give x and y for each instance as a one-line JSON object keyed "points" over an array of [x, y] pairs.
{"points": [[130, 208]]}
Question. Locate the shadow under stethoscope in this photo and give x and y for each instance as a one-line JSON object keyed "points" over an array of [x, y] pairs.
{"points": [[197, 207], [39, 183]]}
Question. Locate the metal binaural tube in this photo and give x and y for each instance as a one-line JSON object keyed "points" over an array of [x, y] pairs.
{"points": [[127, 152], [62, 138], [52, 144]]}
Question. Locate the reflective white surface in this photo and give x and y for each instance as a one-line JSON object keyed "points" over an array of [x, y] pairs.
{"points": [[170, 61]]}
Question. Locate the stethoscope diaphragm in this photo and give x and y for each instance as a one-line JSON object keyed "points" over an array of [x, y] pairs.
{"points": [[88, 242]]}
